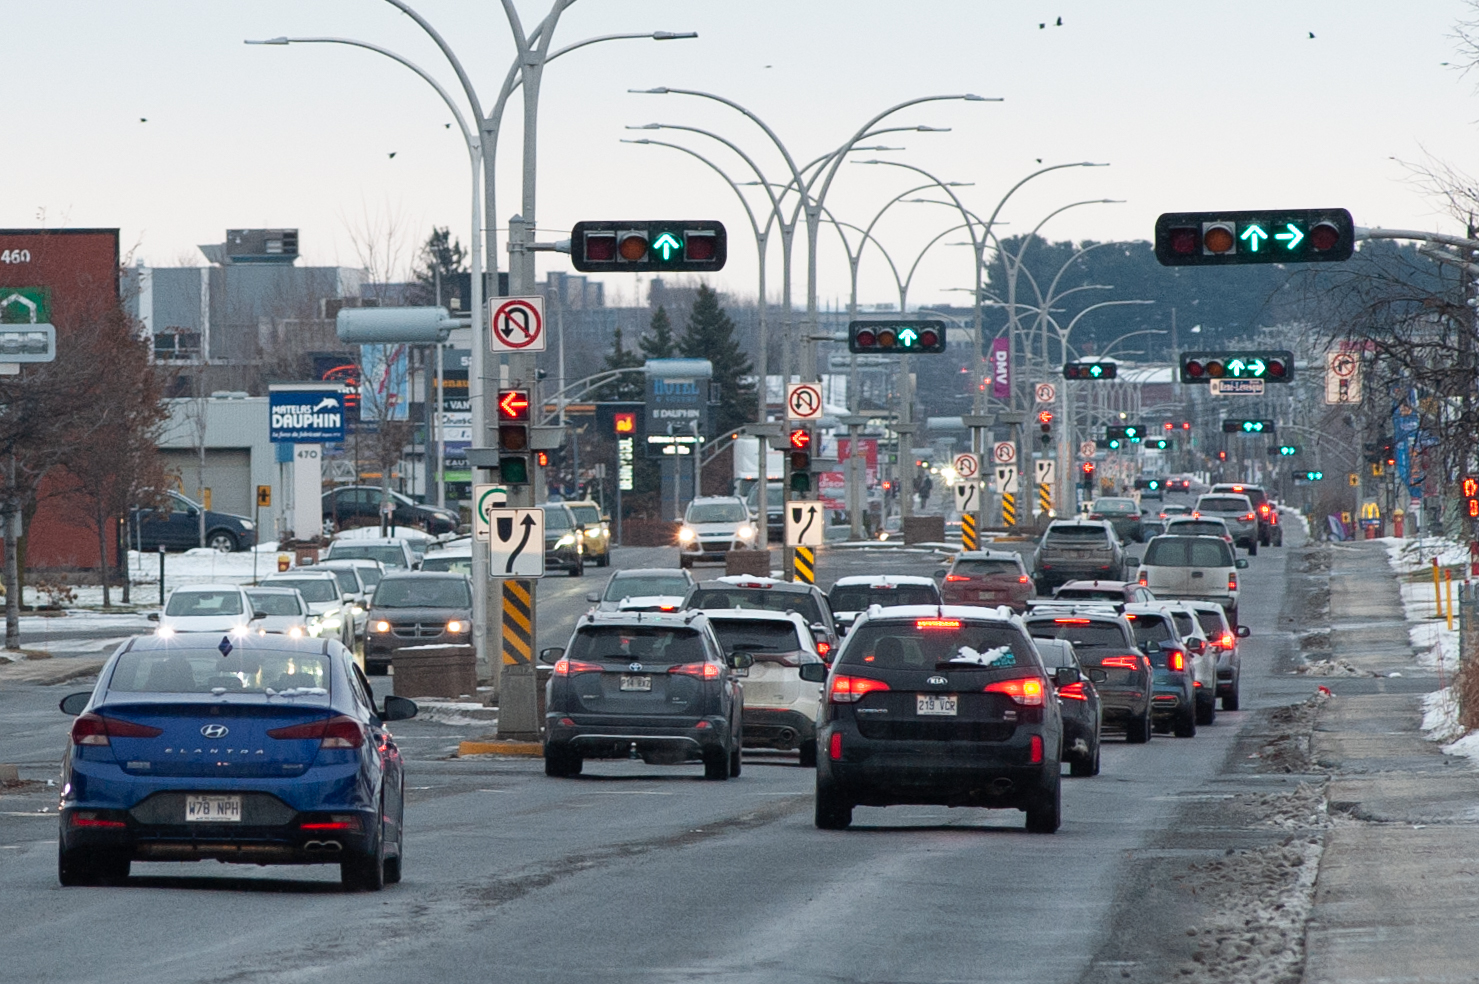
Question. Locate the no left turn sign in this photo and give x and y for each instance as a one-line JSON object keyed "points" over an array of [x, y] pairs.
{"points": [[518, 324], [803, 401]]}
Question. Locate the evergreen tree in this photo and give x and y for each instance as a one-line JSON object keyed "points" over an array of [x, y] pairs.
{"points": [[625, 387], [440, 257], [659, 342], [709, 334]]}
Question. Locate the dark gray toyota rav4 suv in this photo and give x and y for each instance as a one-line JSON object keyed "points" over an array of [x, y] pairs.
{"points": [[647, 685]]}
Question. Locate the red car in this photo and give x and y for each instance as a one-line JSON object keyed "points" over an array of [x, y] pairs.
{"points": [[987, 578]]}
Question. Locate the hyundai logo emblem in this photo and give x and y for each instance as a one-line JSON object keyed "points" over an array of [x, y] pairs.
{"points": [[938, 681], [635, 667], [215, 731]]}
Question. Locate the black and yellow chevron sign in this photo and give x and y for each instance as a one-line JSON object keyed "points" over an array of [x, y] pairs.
{"points": [[804, 565], [1008, 509], [1045, 498], [518, 625], [968, 539]]}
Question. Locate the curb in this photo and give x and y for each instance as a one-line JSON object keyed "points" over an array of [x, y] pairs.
{"points": [[50, 672], [522, 748]]}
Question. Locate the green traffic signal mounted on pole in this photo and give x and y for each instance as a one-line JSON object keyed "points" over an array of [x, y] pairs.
{"points": [[1301, 235]]}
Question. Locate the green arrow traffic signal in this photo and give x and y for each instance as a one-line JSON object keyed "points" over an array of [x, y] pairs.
{"points": [[667, 244], [1251, 236], [1288, 449]]}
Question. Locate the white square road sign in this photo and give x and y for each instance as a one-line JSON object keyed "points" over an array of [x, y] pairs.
{"points": [[806, 521], [967, 497], [1006, 479], [1047, 470], [515, 543]]}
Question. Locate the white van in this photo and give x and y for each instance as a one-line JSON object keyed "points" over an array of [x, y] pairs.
{"points": [[1198, 568]]}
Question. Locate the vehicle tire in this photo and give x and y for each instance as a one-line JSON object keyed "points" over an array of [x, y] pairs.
{"points": [[1138, 732], [1252, 548], [809, 754], [1279, 537], [365, 872], [1045, 814], [1230, 700], [832, 811], [1186, 723], [1265, 539], [1086, 766], [79, 867], [221, 540], [605, 560], [685, 562], [1206, 711], [560, 761], [735, 763], [716, 764], [579, 569], [393, 865]]}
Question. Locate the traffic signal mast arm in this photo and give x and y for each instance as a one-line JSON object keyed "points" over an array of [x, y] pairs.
{"points": [[1427, 237]]}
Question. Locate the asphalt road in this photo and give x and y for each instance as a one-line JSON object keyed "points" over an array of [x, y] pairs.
{"points": [[631, 873]]}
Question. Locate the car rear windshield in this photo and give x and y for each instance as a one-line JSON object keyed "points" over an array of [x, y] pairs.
{"points": [[348, 583], [207, 603], [716, 512], [759, 599], [1188, 551], [1211, 622], [754, 636], [388, 554], [858, 597], [646, 586], [312, 588], [1084, 633], [935, 643], [1090, 594], [423, 592], [1222, 503], [1197, 527], [200, 671], [454, 564], [1152, 628], [1255, 496], [1186, 625], [1055, 656], [370, 576], [1116, 506], [984, 568], [272, 603], [637, 643], [1077, 536]]}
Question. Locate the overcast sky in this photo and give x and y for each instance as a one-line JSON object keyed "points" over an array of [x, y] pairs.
{"points": [[1195, 105]]}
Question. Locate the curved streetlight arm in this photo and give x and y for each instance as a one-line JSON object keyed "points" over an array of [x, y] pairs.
{"points": [[1110, 347], [581, 387], [775, 202], [446, 49], [749, 212], [867, 237]]}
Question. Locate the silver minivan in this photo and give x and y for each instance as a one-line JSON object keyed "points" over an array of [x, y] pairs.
{"points": [[1198, 568], [1237, 512]]}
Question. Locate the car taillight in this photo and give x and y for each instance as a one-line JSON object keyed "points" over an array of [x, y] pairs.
{"points": [[1250, 517], [1070, 621], [334, 732], [1227, 641], [1144, 579], [1121, 662], [1096, 515], [1176, 660], [569, 667], [851, 689], [957, 577], [1026, 691], [704, 671], [937, 623], [1263, 509], [89, 818], [93, 729], [341, 821], [834, 747], [1034, 754], [823, 648], [1074, 691]]}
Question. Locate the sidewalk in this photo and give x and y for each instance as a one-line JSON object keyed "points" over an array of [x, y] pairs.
{"points": [[1397, 886]]}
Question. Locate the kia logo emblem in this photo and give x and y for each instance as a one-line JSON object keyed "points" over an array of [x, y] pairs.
{"points": [[938, 681], [215, 731]]}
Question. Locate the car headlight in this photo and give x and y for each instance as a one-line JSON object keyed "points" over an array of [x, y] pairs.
{"points": [[332, 622], [357, 610], [382, 626], [686, 534], [247, 524], [745, 532], [454, 627], [605, 532], [296, 632], [564, 541]]}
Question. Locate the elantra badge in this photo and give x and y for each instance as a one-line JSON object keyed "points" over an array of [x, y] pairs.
{"points": [[938, 681], [215, 731]]}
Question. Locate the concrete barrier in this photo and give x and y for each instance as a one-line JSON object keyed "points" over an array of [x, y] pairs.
{"points": [[435, 671], [755, 563], [924, 529]]}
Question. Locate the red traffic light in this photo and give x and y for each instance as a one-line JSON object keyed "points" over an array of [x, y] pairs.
{"points": [[928, 339], [1276, 368], [1194, 369], [1470, 487], [1088, 467], [866, 338], [701, 246], [513, 404], [801, 439], [1324, 237], [1045, 417]]}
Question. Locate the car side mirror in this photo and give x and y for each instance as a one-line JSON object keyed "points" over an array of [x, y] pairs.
{"points": [[551, 655], [1097, 675], [1196, 646], [152, 616], [941, 573], [1244, 632], [593, 597], [739, 661], [1132, 561], [1242, 564], [75, 704], [813, 672], [1150, 647], [258, 615], [398, 708], [1064, 675]]}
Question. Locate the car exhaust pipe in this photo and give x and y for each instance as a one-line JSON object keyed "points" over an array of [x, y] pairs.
{"points": [[788, 737], [1001, 785], [328, 847]]}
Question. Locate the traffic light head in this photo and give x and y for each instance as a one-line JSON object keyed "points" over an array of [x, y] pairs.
{"points": [[1158, 444], [800, 459], [1287, 450], [513, 435], [1045, 424], [640, 246], [1275, 366], [1286, 236], [896, 337], [1248, 427], [1090, 370]]}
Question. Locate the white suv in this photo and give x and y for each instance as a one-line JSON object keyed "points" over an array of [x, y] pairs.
{"points": [[713, 526], [781, 709], [1196, 568]]}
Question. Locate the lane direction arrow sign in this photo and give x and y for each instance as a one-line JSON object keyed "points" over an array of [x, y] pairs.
{"points": [[1006, 479], [967, 496], [805, 519], [516, 543]]}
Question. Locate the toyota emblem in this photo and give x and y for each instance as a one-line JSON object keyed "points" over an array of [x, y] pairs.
{"points": [[635, 667], [215, 731], [938, 681]]}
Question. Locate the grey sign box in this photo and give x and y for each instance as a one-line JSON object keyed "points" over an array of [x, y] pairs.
{"points": [[677, 398], [27, 343]]}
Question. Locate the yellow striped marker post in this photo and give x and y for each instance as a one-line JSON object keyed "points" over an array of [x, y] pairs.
{"points": [[968, 539], [1008, 509], [518, 623], [804, 565]]}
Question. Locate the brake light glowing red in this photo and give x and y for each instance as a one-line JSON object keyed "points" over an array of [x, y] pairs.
{"points": [[823, 648], [1176, 661], [1034, 755], [937, 623], [1227, 641], [93, 820], [957, 577], [569, 667], [704, 671], [1121, 662], [1071, 621], [335, 732], [1074, 691], [1263, 508], [1144, 579], [1026, 691], [1232, 582], [1023, 579], [332, 825], [1250, 517], [851, 689], [834, 747], [93, 729]]}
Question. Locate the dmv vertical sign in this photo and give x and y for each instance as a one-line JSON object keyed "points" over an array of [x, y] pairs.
{"points": [[306, 414]]}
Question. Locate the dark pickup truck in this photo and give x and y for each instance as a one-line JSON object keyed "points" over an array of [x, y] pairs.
{"points": [[1077, 549]]}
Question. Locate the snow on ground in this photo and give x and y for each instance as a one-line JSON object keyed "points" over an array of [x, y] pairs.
{"points": [[1412, 560]]}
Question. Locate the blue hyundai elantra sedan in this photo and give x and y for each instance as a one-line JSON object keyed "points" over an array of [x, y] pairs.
{"points": [[238, 747]]}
